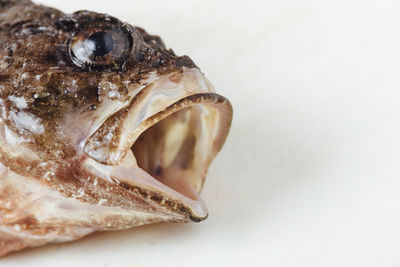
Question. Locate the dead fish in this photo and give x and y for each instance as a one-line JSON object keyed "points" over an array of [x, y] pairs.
{"points": [[101, 127]]}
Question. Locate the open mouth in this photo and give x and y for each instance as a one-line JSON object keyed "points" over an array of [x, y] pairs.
{"points": [[166, 140], [178, 149]]}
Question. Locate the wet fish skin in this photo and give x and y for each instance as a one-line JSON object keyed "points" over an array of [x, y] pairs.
{"points": [[101, 127]]}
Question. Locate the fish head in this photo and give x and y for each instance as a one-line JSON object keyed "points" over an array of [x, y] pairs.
{"points": [[98, 115]]}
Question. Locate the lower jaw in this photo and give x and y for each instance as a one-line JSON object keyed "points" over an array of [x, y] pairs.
{"points": [[178, 148]]}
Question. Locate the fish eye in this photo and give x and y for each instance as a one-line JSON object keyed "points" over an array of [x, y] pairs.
{"points": [[101, 47], [100, 43]]}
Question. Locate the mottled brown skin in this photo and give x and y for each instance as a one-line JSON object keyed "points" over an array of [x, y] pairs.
{"points": [[34, 41], [55, 111]]}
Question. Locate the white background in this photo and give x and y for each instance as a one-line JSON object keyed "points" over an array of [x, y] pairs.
{"points": [[310, 173]]}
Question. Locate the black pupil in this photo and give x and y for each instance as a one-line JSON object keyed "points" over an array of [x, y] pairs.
{"points": [[104, 43]]}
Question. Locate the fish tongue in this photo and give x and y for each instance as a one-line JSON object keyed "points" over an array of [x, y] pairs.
{"points": [[172, 187]]}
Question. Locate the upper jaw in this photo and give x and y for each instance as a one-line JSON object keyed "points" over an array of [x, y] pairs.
{"points": [[110, 142], [163, 141]]}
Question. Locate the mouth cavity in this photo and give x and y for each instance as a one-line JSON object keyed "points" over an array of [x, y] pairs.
{"points": [[179, 143], [175, 150]]}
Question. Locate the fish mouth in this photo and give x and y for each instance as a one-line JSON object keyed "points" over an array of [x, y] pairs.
{"points": [[178, 148], [170, 134]]}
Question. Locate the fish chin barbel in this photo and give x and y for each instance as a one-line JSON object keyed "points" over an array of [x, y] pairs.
{"points": [[101, 127]]}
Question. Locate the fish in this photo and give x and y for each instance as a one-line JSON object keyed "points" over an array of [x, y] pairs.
{"points": [[102, 127]]}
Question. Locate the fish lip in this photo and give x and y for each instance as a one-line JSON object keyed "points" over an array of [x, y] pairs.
{"points": [[194, 211], [198, 219]]}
